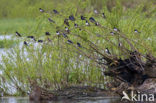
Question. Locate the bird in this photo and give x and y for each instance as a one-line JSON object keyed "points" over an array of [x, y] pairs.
{"points": [[64, 35], [107, 51], [41, 10], [47, 33], [30, 37], [95, 11], [25, 43], [67, 30], [83, 18], [57, 33], [55, 11], [50, 20], [91, 19], [115, 29], [66, 22], [40, 41], [69, 41], [87, 23], [76, 25], [112, 33], [71, 17], [79, 45], [136, 31], [120, 44], [97, 24], [18, 34], [103, 15]]}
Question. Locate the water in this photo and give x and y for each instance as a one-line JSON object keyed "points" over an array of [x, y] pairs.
{"points": [[26, 100]]}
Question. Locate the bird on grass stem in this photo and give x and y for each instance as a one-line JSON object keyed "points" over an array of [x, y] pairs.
{"points": [[18, 34]]}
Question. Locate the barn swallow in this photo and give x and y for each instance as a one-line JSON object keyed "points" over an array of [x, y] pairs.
{"points": [[115, 29], [70, 42], [95, 11], [76, 25], [136, 31], [47, 33], [71, 17], [30, 37], [112, 33], [25, 43], [66, 22], [67, 30], [55, 11], [40, 41], [18, 34], [120, 44], [107, 51], [41, 10], [91, 19], [50, 20], [79, 45], [87, 23], [64, 35], [103, 15], [57, 33], [83, 18]]}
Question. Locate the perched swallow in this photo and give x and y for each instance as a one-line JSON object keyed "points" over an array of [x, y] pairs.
{"points": [[136, 31], [67, 30], [32, 37], [70, 42], [47, 33], [115, 29], [120, 44], [83, 18], [50, 20], [107, 51], [103, 15], [91, 19], [76, 25], [97, 24], [25, 43], [57, 33], [87, 24], [40, 41], [79, 45], [71, 17], [95, 11], [18, 34], [49, 40], [55, 11], [66, 22], [112, 33], [41, 10], [64, 35]]}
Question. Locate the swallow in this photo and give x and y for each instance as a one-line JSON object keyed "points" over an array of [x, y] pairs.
{"points": [[64, 35], [91, 19], [79, 45], [76, 25], [95, 11], [103, 15], [71, 17], [87, 23], [97, 24], [30, 37], [83, 18], [25, 43], [67, 30], [41, 10], [18, 34], [120, 44], [107, 51], [115, 29], [47, 33], [57, 33], [50, 20], [55, 11], [136, 31], [66, 22], [49, 39], [70, 42], [40, 41], [112, 33]]}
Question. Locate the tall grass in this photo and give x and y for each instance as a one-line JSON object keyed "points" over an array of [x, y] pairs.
{"points": [[55, 64]]}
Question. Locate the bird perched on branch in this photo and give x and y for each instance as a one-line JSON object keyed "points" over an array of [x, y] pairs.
{"points": [[66, 22], [83, 18], [47, 33], [55, 11], [41, 10], [18, 34], [71, 17]]}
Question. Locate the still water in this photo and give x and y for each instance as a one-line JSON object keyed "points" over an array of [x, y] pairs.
{"points": [[26, 100]]}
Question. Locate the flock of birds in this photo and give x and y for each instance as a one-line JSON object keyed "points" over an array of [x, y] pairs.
{"points": [[67, 31]]}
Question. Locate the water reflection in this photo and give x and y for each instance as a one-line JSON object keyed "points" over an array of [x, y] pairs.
{"points": [[26, 100]]}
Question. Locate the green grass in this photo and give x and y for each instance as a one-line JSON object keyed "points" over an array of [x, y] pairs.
{"points": [[59, 64]]}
